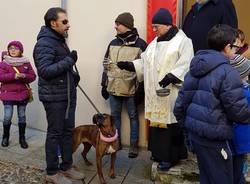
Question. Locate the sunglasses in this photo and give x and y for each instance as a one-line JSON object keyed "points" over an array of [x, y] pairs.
{"points": [[64, 22]]}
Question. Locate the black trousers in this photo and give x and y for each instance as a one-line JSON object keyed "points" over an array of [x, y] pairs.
{"points": [[167, 144], [217, 165], [59, 133]]}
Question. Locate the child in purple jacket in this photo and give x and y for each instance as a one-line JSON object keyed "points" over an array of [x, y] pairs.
{"points": [[16, 73]]}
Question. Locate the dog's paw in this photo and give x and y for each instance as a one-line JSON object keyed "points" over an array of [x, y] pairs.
{"points": [[103, 182], [88, 163], [112, 175]]}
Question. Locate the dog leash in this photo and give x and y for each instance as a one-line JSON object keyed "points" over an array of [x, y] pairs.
{"points": [[85, 94], [90, 101]]}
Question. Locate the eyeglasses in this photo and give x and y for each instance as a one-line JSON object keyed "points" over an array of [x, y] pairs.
{"points": [[155, 26], [64, 22], [13, 48], [235, 46]]}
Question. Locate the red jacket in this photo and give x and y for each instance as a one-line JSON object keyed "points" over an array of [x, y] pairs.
{"points": [[15, 89]]}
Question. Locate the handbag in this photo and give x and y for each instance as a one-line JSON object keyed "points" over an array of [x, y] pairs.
{"points": [[30, 97]]}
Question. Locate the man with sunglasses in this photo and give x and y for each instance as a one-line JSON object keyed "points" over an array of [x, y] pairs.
{"points": [[57, 91]]}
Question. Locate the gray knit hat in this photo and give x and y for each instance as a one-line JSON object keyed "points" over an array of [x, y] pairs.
{"points": [[241, 64], [126, 19]]}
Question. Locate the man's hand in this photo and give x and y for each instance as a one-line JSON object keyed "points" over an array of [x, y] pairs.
{"points": [[126, 65], [73, 55], [169, 78]]}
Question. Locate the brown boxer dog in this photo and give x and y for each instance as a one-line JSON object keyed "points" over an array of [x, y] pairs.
{"points": [[103, 136]]}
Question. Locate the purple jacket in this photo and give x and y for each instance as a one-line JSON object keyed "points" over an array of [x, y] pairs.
{"points": [[15, 89]]}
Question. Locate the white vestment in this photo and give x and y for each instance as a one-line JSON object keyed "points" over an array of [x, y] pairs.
{"points": [[160, 58]]}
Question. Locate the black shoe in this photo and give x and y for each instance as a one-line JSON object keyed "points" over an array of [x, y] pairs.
{"points": [[23, 143], [132, 155], [164, 166], [5, 142], [133, 150]]}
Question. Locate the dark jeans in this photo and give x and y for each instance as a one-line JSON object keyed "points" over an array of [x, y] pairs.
{"points": [[59, 132], [238, 161], [217, 165], [116, 109]]}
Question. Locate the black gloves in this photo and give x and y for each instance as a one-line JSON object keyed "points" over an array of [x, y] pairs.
{"points": [[126, 65], [73, 55], [169, 78], [76, 77], [105, 93]]}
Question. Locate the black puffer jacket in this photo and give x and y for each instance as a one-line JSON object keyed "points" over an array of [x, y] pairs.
{"points": [[54, 66]]}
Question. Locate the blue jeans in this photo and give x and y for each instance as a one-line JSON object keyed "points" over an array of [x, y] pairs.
{"points": [[116, 109], [8, 113]]}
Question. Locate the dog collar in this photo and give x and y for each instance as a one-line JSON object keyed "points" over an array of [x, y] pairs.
{"points": [[109, 139]]}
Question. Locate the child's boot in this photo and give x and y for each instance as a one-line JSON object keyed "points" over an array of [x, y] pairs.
{"points": [[6, 135], [22, 140]]}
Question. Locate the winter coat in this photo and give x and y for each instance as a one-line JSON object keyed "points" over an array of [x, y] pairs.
{"points": [[211, 98], [15, 89], [57, 79], [126, 47], [197, 23]]}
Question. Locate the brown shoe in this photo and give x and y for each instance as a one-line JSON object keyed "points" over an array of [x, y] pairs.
{"points": [[57, 178], [73, 174]]}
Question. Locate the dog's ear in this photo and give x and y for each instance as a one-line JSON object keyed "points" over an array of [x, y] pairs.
{"points": [[98, 119]]}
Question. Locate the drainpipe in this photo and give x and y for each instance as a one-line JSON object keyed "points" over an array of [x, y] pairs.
{"points": [[180, 13], [64, 4]]}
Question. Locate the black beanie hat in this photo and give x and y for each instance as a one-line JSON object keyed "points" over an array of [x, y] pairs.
{"points": [[126, 19], [162, 16]]}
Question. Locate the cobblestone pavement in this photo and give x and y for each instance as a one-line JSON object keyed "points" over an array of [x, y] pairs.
{"points": [[15, 174]]}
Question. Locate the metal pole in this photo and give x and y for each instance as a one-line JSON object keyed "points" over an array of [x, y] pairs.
{"points": [[180, 12], [64, 4]]}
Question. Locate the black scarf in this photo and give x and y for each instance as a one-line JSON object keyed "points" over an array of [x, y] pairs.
{"points": [[129, 37], [169, 35]]}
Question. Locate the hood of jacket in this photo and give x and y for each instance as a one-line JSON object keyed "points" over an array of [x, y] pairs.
{"points": [[205, 61], [48, 32]]}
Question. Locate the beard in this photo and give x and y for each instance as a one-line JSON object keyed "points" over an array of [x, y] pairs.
{"points": [[65, 34]]}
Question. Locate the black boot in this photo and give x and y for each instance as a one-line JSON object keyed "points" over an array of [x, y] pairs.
{"points": [[133, 150], [6, 135], [22, 140]]}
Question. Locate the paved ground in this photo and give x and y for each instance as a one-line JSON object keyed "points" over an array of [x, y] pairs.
{"points": [[19, 166]]}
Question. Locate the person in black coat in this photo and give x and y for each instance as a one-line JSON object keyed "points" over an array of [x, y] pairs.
{"points": [[205, 14], [57, 90], [210, 100]]}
